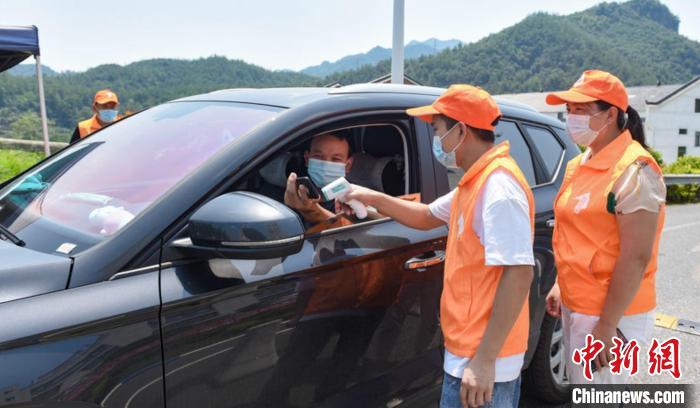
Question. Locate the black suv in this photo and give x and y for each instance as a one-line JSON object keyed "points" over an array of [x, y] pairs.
{"points": [[155, 263]]}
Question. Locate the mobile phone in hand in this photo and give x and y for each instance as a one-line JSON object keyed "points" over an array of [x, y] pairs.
{"points": [[621, 336], [314, 192]]}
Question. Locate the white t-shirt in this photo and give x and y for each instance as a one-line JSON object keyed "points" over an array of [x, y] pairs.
{"points": [[502, 223]]}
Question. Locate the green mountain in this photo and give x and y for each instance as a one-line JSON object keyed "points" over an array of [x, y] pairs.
{"points": [[637, 40], [413, 49], [139, 85], [29, 69]]}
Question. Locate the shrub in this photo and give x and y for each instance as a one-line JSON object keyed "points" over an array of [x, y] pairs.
{"points": [[684, 193], [16, 161], [657, 156]]}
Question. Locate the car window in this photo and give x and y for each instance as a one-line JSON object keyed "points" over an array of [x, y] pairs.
{"points": [[507, 130], [97, 186], [519, 150], [548, 146], [380, 161]]}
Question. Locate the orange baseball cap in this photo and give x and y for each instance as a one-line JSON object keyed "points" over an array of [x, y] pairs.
{"points": [[105, 96], [465, 103], [593, 85]]}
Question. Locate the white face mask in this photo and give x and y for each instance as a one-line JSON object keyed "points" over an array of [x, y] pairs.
{"points": [[579, 129], [447, 159], [324, 172]]}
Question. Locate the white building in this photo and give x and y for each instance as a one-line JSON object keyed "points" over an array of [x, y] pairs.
{"points": [[671, 114]]}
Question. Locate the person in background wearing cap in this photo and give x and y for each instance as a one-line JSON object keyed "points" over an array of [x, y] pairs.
{"points": [[609, 216], [106, 110], [489, 258]]}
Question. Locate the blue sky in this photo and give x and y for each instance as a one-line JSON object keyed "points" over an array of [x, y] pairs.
{"points": [[276, 34]]}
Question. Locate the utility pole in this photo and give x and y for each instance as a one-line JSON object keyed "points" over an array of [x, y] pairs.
{"points": [[397, 48]]}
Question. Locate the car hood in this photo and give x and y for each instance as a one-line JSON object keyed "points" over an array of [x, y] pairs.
{"points": [[25, 272]]}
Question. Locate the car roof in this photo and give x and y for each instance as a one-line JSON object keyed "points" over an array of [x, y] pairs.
{"points": [[295, 97]]}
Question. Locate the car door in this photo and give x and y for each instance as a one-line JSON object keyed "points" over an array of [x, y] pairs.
{"points": [[94, 345], [349, 320]]}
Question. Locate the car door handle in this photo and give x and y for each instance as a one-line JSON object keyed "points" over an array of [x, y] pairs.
{"points": [[550, 223], [422, 262]]}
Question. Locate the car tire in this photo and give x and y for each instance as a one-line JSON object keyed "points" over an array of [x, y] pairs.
{"points": [[545, 378]]}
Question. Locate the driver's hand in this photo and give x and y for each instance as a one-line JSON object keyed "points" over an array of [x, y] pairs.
{"points": [[298, 198]]}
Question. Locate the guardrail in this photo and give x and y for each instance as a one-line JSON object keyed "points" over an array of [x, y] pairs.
{"points": [[671, 179], [30, 145]]}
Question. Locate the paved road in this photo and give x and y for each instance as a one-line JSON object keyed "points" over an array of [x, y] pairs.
{"points": [[678, 292], [678, 288]]}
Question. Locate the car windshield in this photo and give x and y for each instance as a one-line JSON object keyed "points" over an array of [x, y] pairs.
{"points": [[92, 189]]}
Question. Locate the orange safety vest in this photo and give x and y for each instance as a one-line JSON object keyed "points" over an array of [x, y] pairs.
{"points": [[91, 125], [88, 126], [469, 285], [586, 241]]}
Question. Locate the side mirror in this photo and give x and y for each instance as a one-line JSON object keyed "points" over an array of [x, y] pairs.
{"points": [[242, 225]]}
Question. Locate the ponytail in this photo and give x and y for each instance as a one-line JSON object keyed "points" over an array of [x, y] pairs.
{"points": [[632, 122], [635, 126]]}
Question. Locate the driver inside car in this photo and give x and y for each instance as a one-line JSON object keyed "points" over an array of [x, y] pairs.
{"points": [[328, 158]]}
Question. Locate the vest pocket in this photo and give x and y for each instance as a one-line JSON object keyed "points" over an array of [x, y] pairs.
{"points": [[599, 268]]}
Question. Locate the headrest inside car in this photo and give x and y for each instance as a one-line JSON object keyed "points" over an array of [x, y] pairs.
{"points": [[378, 173], [277, 170]]}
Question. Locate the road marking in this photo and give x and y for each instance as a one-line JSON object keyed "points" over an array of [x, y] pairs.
{"points": [[128, 402], [198, 360], [211, 345], [681, 226], [110, 394], [173, 371], [674, 323], [666, 321]]}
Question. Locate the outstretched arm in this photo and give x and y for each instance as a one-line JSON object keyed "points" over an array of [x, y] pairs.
{"points": [[412, 214]]}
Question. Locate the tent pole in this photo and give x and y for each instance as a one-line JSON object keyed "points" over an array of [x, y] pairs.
{"points": [[42, 106]]}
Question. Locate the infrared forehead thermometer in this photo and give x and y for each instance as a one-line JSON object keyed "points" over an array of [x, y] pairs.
{"points": [[337, 190]]}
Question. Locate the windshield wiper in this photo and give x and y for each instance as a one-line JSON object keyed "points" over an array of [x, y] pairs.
{"points": [[6, 234]]}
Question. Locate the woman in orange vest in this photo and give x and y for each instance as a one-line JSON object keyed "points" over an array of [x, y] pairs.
{"points": [[609, 215]]}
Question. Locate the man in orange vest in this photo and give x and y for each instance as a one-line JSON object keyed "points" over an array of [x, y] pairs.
{"points": [[489, 257], [105, 106]]}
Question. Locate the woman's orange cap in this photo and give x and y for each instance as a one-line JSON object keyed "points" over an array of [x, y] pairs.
{"points": [[465, 103], [593, 85]]}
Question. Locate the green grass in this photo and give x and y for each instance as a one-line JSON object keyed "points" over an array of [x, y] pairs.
{"points": [[15, 161]]}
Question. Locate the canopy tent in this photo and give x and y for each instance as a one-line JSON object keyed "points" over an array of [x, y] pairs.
{"points": [[16, 45]]}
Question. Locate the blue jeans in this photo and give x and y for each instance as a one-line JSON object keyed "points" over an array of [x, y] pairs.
{"points": [[505, 394]]}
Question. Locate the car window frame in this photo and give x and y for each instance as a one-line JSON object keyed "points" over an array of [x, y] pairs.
{"points": [[528, 143], [536, 153], [407, 170], [540, 167], [289, 140]]}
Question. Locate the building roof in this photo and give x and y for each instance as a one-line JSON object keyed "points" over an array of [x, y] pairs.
{"points": [[639, 97], [659, 99]]}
